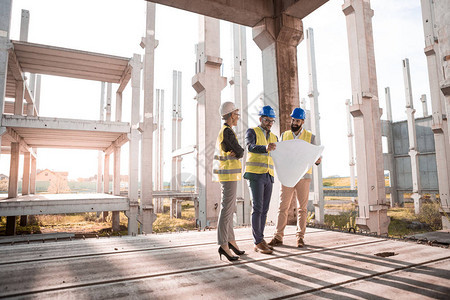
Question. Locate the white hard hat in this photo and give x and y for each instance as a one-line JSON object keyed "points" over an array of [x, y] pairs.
{"points": [[226, 108]]}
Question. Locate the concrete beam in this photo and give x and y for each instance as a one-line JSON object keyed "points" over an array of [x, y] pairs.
{"points": [[60, 203], [121, 140], [14, 137], [249, 12], [64, 124]]}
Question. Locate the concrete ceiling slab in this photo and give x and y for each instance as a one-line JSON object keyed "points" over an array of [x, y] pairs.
{"points": [[248, 12]]}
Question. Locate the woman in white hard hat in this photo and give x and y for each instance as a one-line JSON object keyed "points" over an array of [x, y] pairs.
{"points": [[227, 170]]}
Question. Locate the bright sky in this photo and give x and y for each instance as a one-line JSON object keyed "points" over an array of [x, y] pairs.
{"points": [[115, 27]]}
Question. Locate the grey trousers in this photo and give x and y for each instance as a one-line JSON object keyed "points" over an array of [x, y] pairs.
{"points": [[225, 232]]}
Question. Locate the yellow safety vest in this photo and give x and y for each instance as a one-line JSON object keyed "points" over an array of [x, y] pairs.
{"points": [[305, 135], [260, 163], [225, 167]]}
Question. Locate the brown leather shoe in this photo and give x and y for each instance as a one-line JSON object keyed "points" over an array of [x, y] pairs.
{"points": [[275, 242], [267, 245], [300, 242], [262, 248]]}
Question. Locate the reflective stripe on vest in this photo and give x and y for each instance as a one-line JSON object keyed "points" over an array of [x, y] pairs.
{"points": [[225, 166], [305, 135], [260, 163]]}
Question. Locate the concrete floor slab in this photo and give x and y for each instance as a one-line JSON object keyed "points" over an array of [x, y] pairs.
{"points": [[440, 237], [187, 265]]}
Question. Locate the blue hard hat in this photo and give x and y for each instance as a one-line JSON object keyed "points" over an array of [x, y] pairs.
{"points": [[267, 111], [298, 113]]}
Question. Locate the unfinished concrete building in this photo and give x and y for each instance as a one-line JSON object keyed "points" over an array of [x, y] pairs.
{"points": [[24, 130], [277, 30]]}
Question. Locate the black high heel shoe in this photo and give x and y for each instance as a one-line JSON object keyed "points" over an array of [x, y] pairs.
{"points": [[235, 250], [229, 257]]}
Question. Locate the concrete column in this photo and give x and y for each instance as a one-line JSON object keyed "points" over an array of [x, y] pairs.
{"points": [[423, 99], [116, 188], [439, 121], [208, 84], [106, 182], [156, 145], [5, 23], [20, 92], [100, 153], [133, 173], [37, 93], [147, 215], [26, 173], [25, 182], [278, 39], [351, 156], [12, 188], [106, 167], [389, 158], [179, 132], [159, 150], [239, 85], [413, 153], [33, 176], [24, 25], [315, 125], [108, 101], [366, 113], [174, 183], [441, 24], [118, 106], [176, 130]]}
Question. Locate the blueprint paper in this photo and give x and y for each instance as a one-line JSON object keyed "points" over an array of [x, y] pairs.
{"points": [[293, 158]]}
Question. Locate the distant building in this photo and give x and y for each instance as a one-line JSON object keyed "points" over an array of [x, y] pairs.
{"points": [[49, 175], [58, 180]]}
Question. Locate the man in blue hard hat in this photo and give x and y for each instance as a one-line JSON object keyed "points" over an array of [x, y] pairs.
{"points": [[259, 172], [301, 188]]}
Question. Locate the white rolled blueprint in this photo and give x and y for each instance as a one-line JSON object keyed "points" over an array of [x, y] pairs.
{"points": [[293, 158]]}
